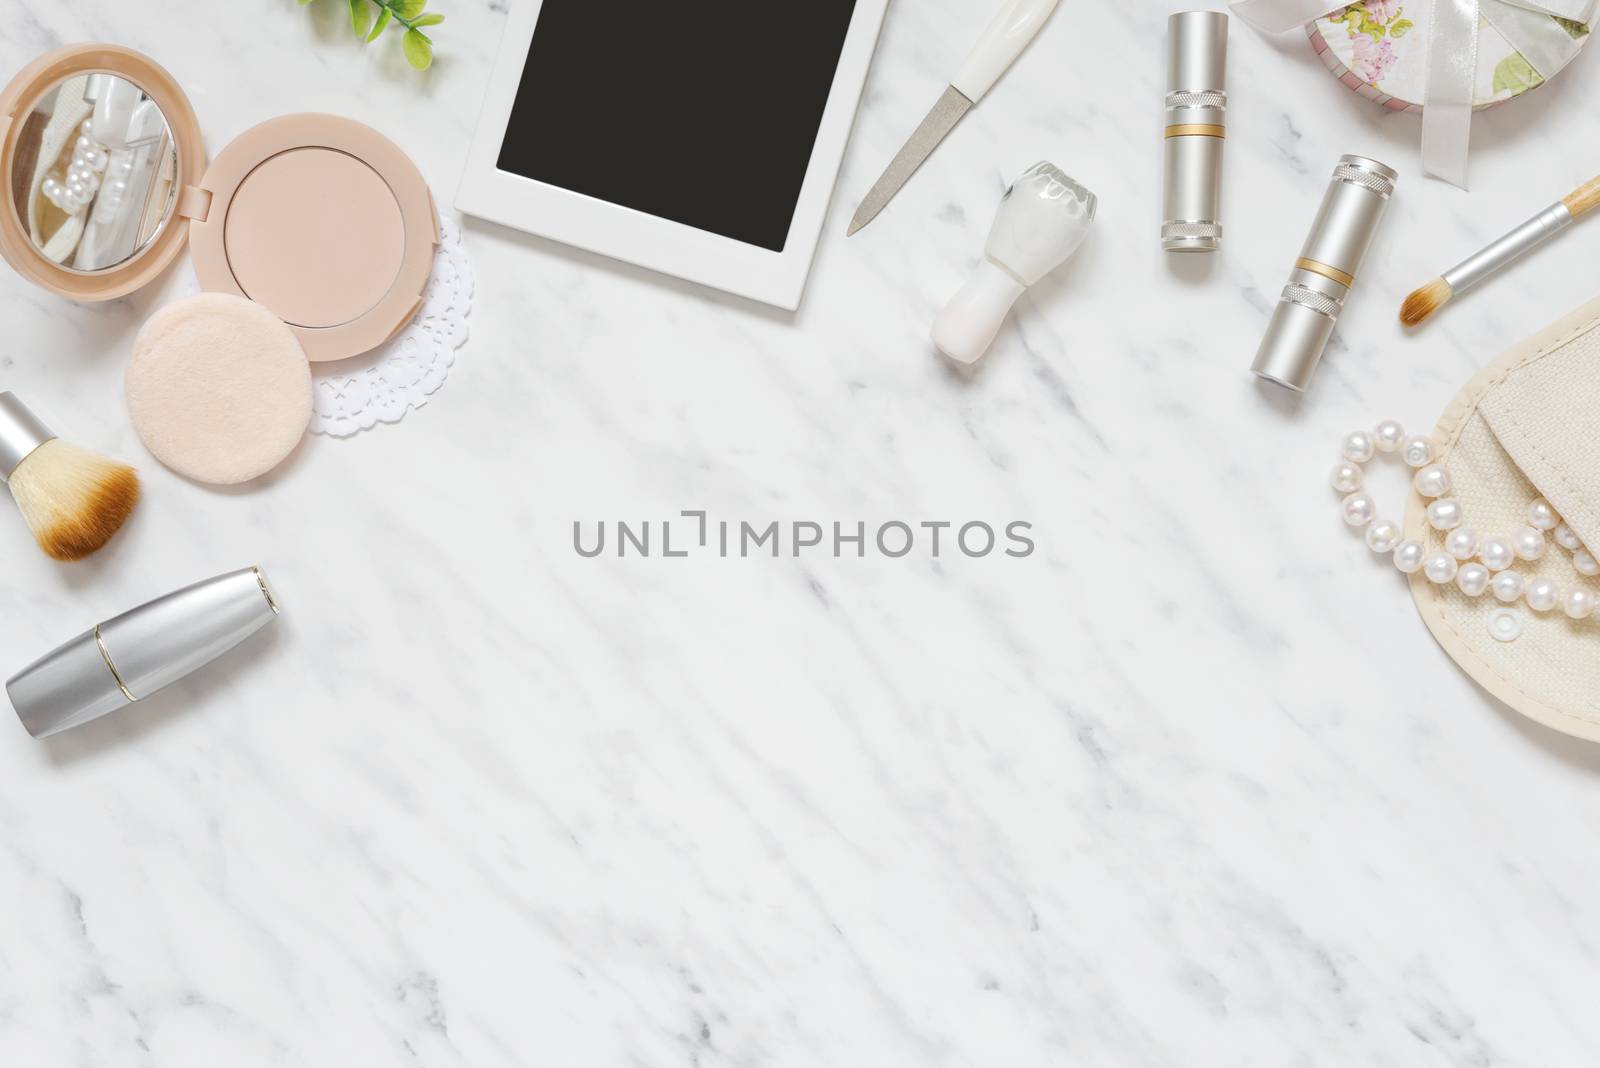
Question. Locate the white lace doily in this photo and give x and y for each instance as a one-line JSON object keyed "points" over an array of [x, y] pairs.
{"points": [[381, 386]]}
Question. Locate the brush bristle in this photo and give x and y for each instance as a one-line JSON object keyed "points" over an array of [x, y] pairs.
{"points": [[73, 499], [1425, 301]]}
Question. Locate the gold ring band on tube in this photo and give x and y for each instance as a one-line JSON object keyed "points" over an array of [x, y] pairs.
{"points": [[261, 580], [1197, 129], [116, 676], [1333, 274]]}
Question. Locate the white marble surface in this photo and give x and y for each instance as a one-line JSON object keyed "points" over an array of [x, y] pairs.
{"points": [[1191, 785]]}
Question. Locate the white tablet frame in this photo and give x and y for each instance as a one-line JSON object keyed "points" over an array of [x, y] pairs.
{"points": [[777, 278]]}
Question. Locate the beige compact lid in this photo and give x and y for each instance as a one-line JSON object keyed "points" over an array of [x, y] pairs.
{"points": [[318, 218]]}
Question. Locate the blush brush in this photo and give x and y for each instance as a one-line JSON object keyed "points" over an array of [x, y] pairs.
{"points": [[1530, 235], [73, 500]]}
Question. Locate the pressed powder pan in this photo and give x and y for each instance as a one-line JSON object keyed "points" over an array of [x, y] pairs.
{"points": [[318, 218]]}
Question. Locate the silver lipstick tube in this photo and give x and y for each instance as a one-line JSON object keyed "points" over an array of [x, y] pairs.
{"points": [[1322, 277], [1524, 239], [128, 658], [1196, 123], [21, 432]]}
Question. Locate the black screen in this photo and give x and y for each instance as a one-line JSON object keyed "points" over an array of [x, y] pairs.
{"points": [[699, 111]]}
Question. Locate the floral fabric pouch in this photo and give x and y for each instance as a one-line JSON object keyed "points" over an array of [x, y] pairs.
{"points": [[1527, 426]]}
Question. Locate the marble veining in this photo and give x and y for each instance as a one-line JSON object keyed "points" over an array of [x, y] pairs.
{"points": [[1189, 785]]}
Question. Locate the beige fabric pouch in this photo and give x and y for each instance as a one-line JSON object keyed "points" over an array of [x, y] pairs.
{"points": [[1527, 426]]}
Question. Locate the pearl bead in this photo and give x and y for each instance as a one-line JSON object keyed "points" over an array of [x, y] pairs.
{"points": [[96, 159], [1541, 516], [1578, 604], [1346, 478], [1528, 543], [1408, 557], [1358, 447], [1585, 563], [1383, 536], [1432, 481], [1388, 436], [1473, 579], [1496, 554], [51, 188], [1440, 568], [1567, 538], [1507, 586], [1444, 514], [1542, 595], [1417, 451], [87, 128], [1462, 543], [1359, 509]]}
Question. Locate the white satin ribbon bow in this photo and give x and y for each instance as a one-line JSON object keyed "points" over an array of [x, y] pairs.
{"points": [[1452, 57]]}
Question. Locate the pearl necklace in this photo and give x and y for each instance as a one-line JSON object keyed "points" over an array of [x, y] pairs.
{"points": [[1476, 565], [89, 161]]}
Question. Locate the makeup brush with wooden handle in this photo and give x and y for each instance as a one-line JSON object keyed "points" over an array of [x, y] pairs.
{"points": [[1525, 238]]}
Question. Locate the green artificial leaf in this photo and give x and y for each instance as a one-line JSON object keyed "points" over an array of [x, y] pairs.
{"points": [[410, 15], [418, 49], [1400, 27], [1516, 74]]}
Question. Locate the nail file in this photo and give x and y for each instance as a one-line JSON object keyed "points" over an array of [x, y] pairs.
{"points": [[1002, 42]]}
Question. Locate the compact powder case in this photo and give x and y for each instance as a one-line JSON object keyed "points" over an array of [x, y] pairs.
{"points": [[323, 221]]}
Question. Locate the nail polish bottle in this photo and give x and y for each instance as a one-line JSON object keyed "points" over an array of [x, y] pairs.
{"points": [[1042, 220]]}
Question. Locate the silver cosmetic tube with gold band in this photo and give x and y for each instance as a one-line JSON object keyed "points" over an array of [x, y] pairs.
{"points": [[128, 658], [1322, 277], [1196, 123]]}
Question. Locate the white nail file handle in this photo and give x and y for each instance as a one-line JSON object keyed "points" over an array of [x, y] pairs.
{"points": [[1016, 24]]}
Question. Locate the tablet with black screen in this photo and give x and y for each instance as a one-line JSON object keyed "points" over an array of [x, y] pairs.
{"points": [[699, 111], [705, 114]]}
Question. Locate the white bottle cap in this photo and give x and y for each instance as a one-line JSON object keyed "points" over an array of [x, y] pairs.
{"points": [[966, 327]]}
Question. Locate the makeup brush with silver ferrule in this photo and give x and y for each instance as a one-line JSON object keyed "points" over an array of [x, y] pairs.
{"points": [[1525, 238], [73, 500]]}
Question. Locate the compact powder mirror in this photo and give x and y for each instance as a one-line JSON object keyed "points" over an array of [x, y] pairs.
{"points": [[92, 178], [317, 218]]}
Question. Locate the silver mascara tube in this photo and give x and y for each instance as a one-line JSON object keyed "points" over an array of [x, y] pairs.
{"points": [[139, 652], [1322, 277], [1197, 105]]}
